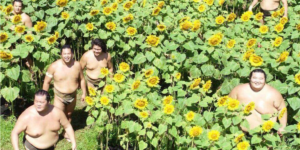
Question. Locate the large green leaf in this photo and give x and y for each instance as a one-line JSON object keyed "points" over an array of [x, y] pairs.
{"points": [[9, 93], [13, 72], [139, 58], [294, 102]]}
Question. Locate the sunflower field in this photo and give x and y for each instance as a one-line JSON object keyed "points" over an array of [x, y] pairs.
{"points": [[175, 63]]}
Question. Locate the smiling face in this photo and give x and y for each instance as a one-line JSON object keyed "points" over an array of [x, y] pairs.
{"points": [[97, 50], [257, 81], [17, 7], [40, 103], [66, 55]]}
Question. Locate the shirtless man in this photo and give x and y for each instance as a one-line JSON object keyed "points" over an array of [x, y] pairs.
{"points": [[67, 75], [41, 123], [266, 6], [266, 98], [95, 59], [17, 5]]}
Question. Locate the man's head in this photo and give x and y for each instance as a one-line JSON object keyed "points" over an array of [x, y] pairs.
{"points": [[41, 100], [17, 6], [257, 79], [98, 47], [66, 53]]}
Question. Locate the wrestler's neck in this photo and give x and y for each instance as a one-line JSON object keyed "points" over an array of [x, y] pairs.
{"points": [[15, 13], [70, 63], [45, 111], [256, 89]]}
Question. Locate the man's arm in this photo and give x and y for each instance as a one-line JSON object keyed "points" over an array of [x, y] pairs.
{"points": [[68, 128], [279, 105], [19, 127], [28, 22], [82, 84], [285, 5], [233, 93], [110, 65], [48, 77], [253, 4], [83, 62]]}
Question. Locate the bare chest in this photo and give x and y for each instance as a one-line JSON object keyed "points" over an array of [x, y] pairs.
{"points": [[93, 63], [66, 73], [38, 126]]}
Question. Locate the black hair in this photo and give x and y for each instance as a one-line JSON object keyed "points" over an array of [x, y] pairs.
{"points": [[20, 1], [66, 46], [42, 93], [258, 70], [100, 43]]}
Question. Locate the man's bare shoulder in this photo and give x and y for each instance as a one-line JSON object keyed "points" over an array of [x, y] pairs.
{"points": [[77, 64], [87, 54], [272, 91], [241, 87], [27, 113], [25, 16]]}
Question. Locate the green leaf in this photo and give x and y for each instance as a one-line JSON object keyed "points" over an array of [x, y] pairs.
{"points": [[200, 59], [154, 142], [110, 43], [208, 70], [13, 72], [2, 76], [189, 46], [9, 93], [236, 120], [173, 131], [150, 134], [162, 128], [226, 122], [208, 116], [25, 76], [294, 102], [195, 72], [150, 56], [139, 58], [228, 85], [90, 120], [255, 139], [281, 87], [95, 113], [142, 145]]}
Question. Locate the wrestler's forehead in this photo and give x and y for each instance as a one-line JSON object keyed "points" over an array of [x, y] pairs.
{"points": [[40, 98], [258, 75], [96, 47], [17, 4]]}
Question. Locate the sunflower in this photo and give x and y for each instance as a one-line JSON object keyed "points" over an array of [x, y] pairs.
{"points": [[119, 77], [123, 66], [213, 135], [239, 138], [248, 54], [278, 27], [110, 26], [233, 104], [281, 11], [16, 19], [207, 85], [268, 125], [255, 60], [251, 42], [104, 100], [195, 83], [209, 2], [195, 131], [283, 56], [148, 73], [220, 20], [231, 17], [277, 41], [245, 17], [127, 18], [89, 100], [214, 40], [275, 14], [104, 71], [61, 3], [298, 126], [92, 91], [248, 108], [89, 26], [109, 88], [190, 116], [65, 15], [144, 114], [5, 55], [186, 25], [3, 37], [114, 6], [201, 8], [127, 5], [222, 101], [94, 12], [56, 34], [263, 29], [283, 20], [243, 145], [297, 78], [107, 10], [152, 40], [40, 26], [161, 4], [178, 76], [161, 27], [8, 9], [131, 31], [103, 2], [51, 40], [29, 38], [135, 84], [168, 100], [298, 27], [230, 43], [156, 11], [196, 25], [153, 81], [20, 29], [221, 2], [168, 109], [141, 103], [259, 16], [282, 112]]}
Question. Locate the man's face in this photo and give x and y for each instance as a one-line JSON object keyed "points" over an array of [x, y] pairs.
{"points": [[97, 50], [66, 55], [17, 7], [257, 80], [40, 103]]}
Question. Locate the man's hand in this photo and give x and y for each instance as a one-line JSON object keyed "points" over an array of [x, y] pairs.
{"points": [[280, 131], [74, 146], [82, 97]]}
